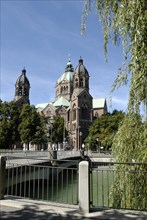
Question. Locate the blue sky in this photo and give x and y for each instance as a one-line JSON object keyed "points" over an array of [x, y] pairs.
{"points": [[39, 35]]}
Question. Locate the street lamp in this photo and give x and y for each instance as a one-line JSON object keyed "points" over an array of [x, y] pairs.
{"points": [[80, 139], [98, 147], [89, 147], [51, 122]]}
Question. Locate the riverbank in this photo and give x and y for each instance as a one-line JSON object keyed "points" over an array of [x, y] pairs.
{"points": [[13, 208]]}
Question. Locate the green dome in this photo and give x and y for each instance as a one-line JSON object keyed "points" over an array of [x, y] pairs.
{"points": [[68, 74]]}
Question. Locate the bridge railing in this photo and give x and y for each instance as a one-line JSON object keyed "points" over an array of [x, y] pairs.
{"points": [[53, 183], [118, 185], [89, 184]]}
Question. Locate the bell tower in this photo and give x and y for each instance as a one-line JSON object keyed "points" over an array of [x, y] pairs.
{"points": [[81, 76], [81, 106], [22, 88]]}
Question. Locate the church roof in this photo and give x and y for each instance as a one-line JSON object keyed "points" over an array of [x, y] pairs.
{"points": [[81, 68], [22, 79], [99, 103], [61, 101], [68, 74]]}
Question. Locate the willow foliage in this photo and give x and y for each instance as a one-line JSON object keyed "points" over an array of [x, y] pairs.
{"points": [[125, 21]]}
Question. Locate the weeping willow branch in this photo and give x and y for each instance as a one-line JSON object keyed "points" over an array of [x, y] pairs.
{"points": [[125, 21]]}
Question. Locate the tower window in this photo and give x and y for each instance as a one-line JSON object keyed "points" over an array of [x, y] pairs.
{"points": [[81, 82], [76, 83], [85, 112], [25, 91], [66, 89], [20, 91]]}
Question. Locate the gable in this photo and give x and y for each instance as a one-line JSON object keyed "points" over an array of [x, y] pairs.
{"points": [[80, 93], [49, 110], [84, 95], [61, 110]]}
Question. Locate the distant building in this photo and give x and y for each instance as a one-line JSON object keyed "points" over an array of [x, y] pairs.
{"points": [[74, 103]]}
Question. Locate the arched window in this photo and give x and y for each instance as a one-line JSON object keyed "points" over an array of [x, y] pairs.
{"points": [[76, 83], [25, 91], [20, 91], [66, 89], [61, 89], [84, 112], [81, 82]]}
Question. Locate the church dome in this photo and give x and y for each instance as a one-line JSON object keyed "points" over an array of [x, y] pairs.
{"points": [[22, 79], [68, 74], [81, 69]]}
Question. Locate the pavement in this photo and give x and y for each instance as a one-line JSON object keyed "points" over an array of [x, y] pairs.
{"points": [[14, 208]]}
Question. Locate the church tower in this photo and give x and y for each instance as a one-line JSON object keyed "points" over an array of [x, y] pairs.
{"points": [[81, 106], [22, 88]]}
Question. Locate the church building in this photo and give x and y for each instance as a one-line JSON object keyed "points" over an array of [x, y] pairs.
{"points": [[73, 101]]}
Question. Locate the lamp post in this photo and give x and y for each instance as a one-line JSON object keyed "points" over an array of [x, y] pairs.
{"points": [[51, 122], [49, 125], [80, 139], [98, 147], [89, 147]]}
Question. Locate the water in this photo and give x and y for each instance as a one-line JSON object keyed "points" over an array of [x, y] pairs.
{"points": [[46, 183]]}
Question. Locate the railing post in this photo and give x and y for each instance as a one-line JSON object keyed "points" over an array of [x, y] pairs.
{"points": [[2, 176], [84, 186]]}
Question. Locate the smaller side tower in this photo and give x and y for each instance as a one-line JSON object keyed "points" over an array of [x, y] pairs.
{"points": [[81, 106], [81, 77], [22, 88]]}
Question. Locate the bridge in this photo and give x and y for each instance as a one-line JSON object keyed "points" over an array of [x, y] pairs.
{"points": [[40, 157]]}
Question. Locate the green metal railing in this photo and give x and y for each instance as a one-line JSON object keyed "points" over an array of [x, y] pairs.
{"points": [[51, 183], [119, 185]]}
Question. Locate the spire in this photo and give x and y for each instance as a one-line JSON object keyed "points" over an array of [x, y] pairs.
{"points": [[80, 60], [69, 67], [69, 56], [24, 71]]}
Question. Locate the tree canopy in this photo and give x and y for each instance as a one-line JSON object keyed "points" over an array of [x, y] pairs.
{"points": [[104, 128], [9, 121], [31, 127], [23, 125], [125, 21]]}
